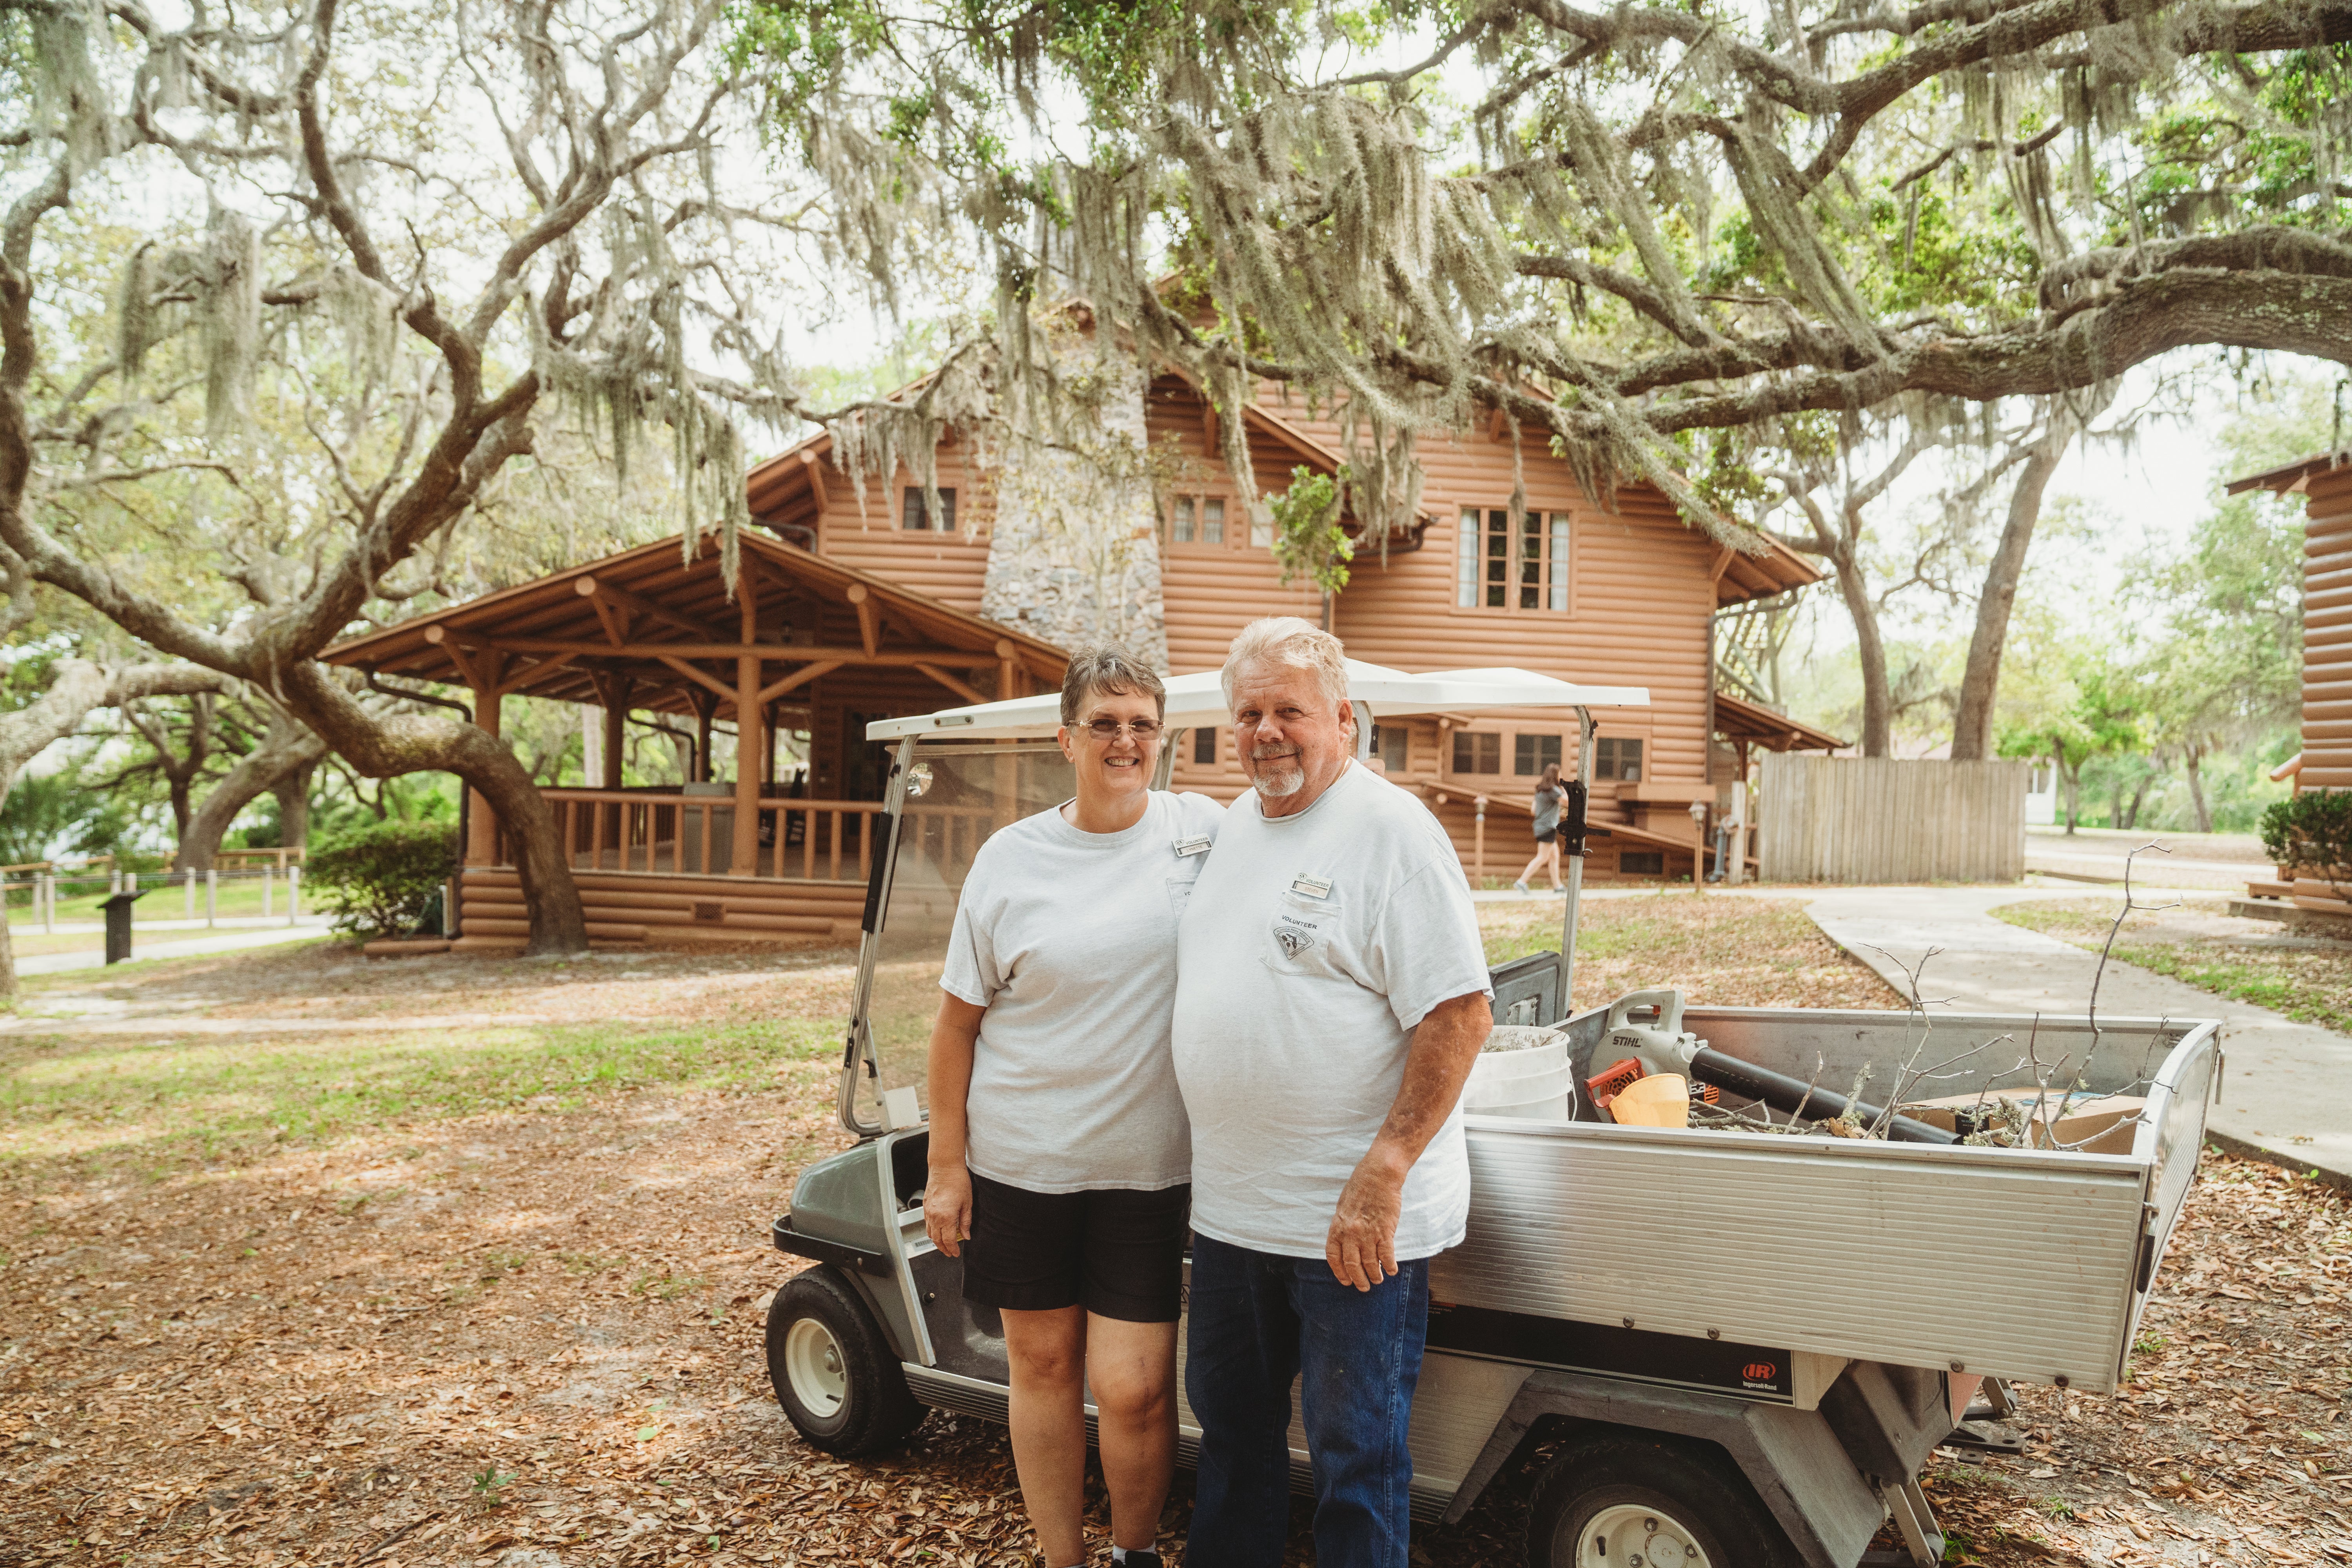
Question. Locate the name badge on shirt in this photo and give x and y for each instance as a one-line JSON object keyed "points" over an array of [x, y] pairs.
{"points": [[1196, 844], [1311, 887]]}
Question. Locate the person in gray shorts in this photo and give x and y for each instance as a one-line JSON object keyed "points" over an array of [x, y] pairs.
{"points": [[1060, 1157]]}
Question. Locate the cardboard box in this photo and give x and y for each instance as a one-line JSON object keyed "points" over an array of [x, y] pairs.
{"points": [[2104, 1124]]}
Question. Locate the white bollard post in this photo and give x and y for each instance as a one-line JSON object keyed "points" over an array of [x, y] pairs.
{"points": [[212, 897], [49, 904], [188, 894], [293, 894], [267, 879]]}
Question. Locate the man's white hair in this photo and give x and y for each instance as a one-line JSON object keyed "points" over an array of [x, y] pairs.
{"points": [[1290, 641]]}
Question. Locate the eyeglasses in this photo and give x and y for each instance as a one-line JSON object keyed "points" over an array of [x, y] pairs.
{"points": [[1109, 730]]}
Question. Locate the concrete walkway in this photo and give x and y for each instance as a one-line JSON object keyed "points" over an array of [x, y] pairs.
{"points": [[95, 958], [2286, 1088]]}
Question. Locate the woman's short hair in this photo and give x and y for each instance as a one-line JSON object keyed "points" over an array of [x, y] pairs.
{"points": [[1300, 644], [1106, 669]]}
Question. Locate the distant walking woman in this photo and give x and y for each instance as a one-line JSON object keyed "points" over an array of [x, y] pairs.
{"points": [[1548, 795], [1060, 1157]]}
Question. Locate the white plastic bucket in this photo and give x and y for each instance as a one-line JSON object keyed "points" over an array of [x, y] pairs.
{"points": [[1536, 1092], [1504, 1067]]}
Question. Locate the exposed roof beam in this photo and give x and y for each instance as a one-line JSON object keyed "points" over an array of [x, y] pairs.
{"points": [[772, 653], [701, 677], [799, 679], [870, 617], [816, 470], [968, 693], [590, 588]]}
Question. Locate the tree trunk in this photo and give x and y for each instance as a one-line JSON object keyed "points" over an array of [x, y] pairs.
{"points": [[2073, 777], [288, 746], [293, 793], [1877, 693], [2192, 758], [2138, 799], [75, 688], [409, 743], [1980, 680]]}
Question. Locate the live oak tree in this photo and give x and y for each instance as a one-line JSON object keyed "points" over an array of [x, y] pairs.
{"points": [[374, 245], [1651, 234]]}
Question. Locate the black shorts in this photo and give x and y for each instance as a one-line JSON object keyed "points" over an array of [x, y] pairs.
{"points": [[1118, 1254], [1546, 834]]}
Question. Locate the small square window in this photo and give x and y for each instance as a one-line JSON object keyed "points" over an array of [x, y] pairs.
{"points": [[1205, 746], [1182, 529], [1477, 753], [1261, 527], [1618, 757], [1394, 743], [1212, 521], [1531, 753], [916, 517], [1641, 862]]}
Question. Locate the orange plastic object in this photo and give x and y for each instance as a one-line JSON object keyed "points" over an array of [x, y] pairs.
{"points": [[1607, 1085]]}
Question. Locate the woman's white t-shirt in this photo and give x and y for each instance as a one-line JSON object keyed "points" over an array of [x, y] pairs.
{"points": [[1068, 939]]}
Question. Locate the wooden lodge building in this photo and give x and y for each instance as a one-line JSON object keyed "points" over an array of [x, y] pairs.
{"points": [[855, 610], [2325, 482]]}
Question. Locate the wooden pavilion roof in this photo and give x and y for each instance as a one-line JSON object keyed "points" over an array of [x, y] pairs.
{"points": [[666, 621], [1736, 719]]}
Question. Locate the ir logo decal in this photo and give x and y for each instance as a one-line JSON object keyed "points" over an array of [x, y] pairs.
{"points": [[1758, 1372]]}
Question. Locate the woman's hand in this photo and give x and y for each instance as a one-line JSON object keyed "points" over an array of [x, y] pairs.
{"points": [[947, 1208]]}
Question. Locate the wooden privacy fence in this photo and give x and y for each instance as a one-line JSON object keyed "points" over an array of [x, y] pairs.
{"points": [[1884, 819]]}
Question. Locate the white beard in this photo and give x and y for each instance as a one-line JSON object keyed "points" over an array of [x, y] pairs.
{"points": [[1280, 785], [1278, 776]]}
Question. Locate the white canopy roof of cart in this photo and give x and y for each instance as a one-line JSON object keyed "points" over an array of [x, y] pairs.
{"points": [[1198, 700]]}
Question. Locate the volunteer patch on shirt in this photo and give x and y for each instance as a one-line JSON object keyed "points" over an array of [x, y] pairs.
{"points": [[1294, 935]]}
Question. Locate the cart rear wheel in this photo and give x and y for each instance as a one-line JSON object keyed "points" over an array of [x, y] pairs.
{"points": [[1627, 1500], [833, 1370]]}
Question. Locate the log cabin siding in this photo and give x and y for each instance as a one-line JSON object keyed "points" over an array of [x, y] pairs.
{"points": [[949, 567], [2326, 655]]}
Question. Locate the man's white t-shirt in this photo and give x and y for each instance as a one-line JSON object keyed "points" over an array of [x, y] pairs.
{"points": [[1313, 946], [1068, 939]]}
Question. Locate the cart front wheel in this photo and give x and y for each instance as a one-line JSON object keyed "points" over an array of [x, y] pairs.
{"points": [[833, 1370], [1631, 1501]]}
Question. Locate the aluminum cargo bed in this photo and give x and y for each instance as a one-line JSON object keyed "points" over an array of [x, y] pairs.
{"points": [[2014, 1263]]}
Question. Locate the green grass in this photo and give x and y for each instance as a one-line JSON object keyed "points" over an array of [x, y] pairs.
{"points": [[2313, 986], [240, 898], [106, 1099]]}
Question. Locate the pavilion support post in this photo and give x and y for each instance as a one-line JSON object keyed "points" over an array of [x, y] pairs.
{"points": [[482, 821], [705, 707], [751, 744], [617, 720]]}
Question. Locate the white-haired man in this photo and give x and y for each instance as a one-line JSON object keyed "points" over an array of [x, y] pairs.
{"points": [[1331, 995]]}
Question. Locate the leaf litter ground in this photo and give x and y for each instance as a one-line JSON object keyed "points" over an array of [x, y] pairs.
{"points": [[527, 1331]]}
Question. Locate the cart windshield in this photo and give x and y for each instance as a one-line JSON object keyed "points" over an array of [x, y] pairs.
{"points": [[957, 795]]}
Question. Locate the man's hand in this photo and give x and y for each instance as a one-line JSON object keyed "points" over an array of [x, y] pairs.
{"points": [[1361, 1246], [947, 1208]]}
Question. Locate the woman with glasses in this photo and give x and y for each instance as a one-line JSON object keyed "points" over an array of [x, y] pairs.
{"points": [[1060, 1157]]}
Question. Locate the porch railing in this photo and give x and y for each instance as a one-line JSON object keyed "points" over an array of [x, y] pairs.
{"points": [[670, 833]]}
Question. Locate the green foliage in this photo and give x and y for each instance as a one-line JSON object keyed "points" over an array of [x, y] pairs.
{"points": [[1308, 539], [53, 814], [381, 880], [2311, 832]]}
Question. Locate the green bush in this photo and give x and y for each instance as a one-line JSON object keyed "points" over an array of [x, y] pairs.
{"points": [[2312, 831], [383, 878]]}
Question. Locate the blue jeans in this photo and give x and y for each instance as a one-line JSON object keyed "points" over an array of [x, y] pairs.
{"points": [[1258, 1321]]}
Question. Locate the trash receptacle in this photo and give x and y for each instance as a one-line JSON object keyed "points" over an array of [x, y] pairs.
{"points": [[117, 925]]}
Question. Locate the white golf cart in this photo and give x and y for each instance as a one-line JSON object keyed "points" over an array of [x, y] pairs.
{"points": [[1723, 1346]]}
